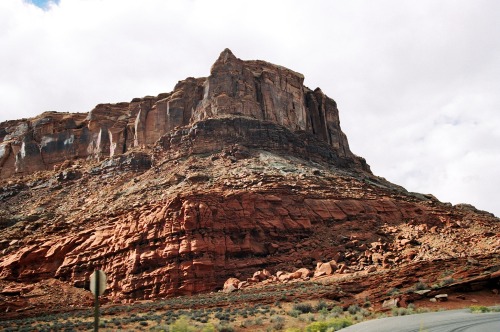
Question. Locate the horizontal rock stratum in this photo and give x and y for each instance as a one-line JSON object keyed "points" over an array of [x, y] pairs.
{"points": [[246, 170], [254, 89]]}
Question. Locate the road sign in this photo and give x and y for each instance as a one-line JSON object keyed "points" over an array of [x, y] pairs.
{"points": [[98, 282], [97, 287]]}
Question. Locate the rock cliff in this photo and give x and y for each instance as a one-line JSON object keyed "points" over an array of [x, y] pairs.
{"points": [[226, 175], [256, 90]]}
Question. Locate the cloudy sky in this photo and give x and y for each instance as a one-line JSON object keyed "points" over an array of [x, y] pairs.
{"points": [[417, 82]]}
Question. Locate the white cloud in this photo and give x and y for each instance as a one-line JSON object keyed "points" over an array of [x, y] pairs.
{"points": [[416, 81]]}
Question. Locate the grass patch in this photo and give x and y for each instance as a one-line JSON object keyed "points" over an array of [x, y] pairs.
{"points": [[477, 309]]}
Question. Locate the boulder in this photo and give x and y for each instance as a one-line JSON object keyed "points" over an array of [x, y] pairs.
{"points": [[371, 269], [411, 254], [334, 265], [229, 289], [243, 284], [295, 275], [404, 242], [262, 275], [391, 303], [284, 277], [441, 297], [253, 280], [337, 257], [231, 285], [323, 269], [304, 273]]}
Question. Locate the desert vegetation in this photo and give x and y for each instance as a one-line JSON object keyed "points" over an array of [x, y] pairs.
{"points": [[215, 312], [310, 316]]}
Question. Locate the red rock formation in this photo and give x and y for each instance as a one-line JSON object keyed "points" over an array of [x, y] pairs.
{"points": [[193, 243], [242, 171], [253, 89]]}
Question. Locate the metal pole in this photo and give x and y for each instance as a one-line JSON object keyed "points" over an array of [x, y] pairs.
{"points": [[96, 308]]}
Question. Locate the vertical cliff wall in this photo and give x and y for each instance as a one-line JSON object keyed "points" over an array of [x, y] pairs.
{"points": [[254, 89]]}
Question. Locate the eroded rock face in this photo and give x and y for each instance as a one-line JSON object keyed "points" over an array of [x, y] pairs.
{"points": [[252, 89], [192, 243], [246, 170], [213, 135]]}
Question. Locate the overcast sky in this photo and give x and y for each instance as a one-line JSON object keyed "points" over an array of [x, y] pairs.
{"points": [[417, 82]]}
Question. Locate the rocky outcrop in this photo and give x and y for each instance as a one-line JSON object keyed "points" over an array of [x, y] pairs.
{"points": [[214, 135], [183, 246], [255, 90], [192, 243], [246, 170]]}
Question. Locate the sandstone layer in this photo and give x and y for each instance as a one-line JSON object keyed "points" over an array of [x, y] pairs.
{"points": [[253, 89]]}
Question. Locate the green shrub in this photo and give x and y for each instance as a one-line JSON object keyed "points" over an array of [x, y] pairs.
{"points": [[317, 327], [420, 286], [479, 309], [446, 273], [225, 328], [303, 307], [323, 312], [321, 305], [246, 323], [447, 281], [222, 316], [394, 291], [364, 312], [337, 309], [278, 322], [329, 325], [401, 311], [353, 309], [294, 313], [182, 325], [208, 328]]}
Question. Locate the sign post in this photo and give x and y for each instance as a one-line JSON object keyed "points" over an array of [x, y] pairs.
{"points": [[97, 287]]}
